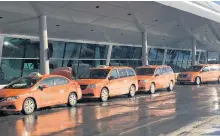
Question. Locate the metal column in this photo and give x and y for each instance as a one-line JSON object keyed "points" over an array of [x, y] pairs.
{"points": [[109, 55], [194, 53], [44, 50], [144, 48], [1, 46], [198, 60], [164, 57]]}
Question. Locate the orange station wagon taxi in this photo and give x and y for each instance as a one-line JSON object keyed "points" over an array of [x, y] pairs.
{"points": [[153, 77], [106, 81], [29, 93], [200, 73]]}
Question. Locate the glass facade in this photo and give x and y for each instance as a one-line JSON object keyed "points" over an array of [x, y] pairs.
{"points": [[21, 57]]}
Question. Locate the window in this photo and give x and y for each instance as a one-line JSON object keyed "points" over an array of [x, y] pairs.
{"points": [[22, 83], [130, 72], [114, 74], [145, 71], [158, 71], [213, 68], [122, 72], [48, 81], [205, 69], [60, 81], [95, 74], [164, 70]]}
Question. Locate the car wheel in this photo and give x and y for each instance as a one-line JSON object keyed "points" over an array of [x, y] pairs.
{"points": [[104, 95], [170, 88], [72, 100], [152, 88], [197, 81], [218, 80], [132, 91], [28, 106]]}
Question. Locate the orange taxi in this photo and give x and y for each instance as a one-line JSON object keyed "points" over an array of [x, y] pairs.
{"points": [[35, 91], [153, 77], [106, 81], [200, 73]]}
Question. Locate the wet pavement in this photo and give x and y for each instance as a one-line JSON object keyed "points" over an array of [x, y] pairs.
{"points": [[144, 114]]}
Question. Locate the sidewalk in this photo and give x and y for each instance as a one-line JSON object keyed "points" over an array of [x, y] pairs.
{"points": [[205, 126]]}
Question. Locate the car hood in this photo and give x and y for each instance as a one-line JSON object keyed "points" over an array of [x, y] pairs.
{"points": [[89, 81], [144, 77], [189, 73], [12, 92]]}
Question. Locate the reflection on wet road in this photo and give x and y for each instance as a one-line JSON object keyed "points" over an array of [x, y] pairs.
{"points": [[145, 114]]}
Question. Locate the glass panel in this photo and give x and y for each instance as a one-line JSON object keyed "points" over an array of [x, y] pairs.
{"points": [[30, 65], [60, 81], [13, 47], [48, 81], [122, 72], [32, 49], [11, 68], [114, 74], [152, 53], [55, 63], [130, 63], [160, 54], [57, 49], [130, 72], [93, 51], [126, 52], [72, 50]]}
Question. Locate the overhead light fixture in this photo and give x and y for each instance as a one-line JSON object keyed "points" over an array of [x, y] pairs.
{"points": [[97, 6], [57, 25], [122, 34], [129, 14], [156, 20], [206, 31], [1, 17], [177, 25], [163, 39], [92, 30]]}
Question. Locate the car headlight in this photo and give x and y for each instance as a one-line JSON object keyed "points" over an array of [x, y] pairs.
{"points": [[143, 81], [91, 86], [12, 98]]}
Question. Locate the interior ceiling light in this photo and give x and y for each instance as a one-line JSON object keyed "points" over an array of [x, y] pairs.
{"points": [[1, 17], [163, 39], [156, 20], [177, 25], [57, 25], [92, 30], [129, 14], [122, 34], [206, 31], [97, 7]]}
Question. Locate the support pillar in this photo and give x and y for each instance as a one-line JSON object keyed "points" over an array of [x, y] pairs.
{"points": [[206, 57], [198, 60], [144, 48], [109, 55], [44, 50], [194, 53], [1, 46], [164, 57]]}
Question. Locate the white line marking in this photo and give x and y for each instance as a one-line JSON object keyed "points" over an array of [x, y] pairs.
{"points": [[133, 129]]}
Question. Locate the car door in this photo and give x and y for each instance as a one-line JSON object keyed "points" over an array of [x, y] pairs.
{"points": [[46, 94], [205, 74], [213, 73], [159, 78], [113, 83], [124, 81], [62, 90]]}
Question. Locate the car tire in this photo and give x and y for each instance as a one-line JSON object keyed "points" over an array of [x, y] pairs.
{"points": [[72, 100], [152, 88], [218, 80], [197, 80], [29, 106], [104, 95], [132, 91], [170, 87]]}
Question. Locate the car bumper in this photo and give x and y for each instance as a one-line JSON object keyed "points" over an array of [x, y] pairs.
{"points": [[143, 86], [185, 80], [90, 93], [10, 106]]}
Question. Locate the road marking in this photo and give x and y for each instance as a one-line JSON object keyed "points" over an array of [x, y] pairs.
{"points": [[133, 129]]}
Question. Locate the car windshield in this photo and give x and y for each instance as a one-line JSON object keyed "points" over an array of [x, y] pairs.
{"points": [[145, 71], [22, 83], [95, 74], [194, 68]]}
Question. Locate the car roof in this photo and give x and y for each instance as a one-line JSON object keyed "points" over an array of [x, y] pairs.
{"points": [[112, 67], [153, 66], [205, 65]]}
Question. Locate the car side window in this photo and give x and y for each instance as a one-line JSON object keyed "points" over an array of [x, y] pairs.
{"points": [[60, 81], [205, 69], [48, 81], [130, 72], [213, 68], [114, 74], [122, 72], [164, 70], [158, 71]]}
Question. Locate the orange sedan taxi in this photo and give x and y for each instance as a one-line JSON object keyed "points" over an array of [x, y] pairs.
{"points": [[200, 73], [106, 81], [153, 77], [32, 92]]}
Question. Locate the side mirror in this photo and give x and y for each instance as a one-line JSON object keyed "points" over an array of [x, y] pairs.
{"points": [[111, 78], [42, 87], [156, 75]]}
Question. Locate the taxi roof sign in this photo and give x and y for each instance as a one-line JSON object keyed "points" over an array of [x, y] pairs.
{"points": [[35, 74]]}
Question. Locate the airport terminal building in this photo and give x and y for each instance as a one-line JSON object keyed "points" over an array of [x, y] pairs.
{"points": [[87, 34]]}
